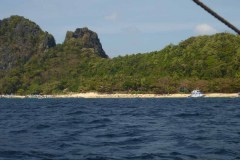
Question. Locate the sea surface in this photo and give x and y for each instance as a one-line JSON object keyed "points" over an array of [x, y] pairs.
{"points": [[120, 129]]}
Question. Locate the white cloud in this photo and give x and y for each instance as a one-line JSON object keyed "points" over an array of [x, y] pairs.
{"points": [[205, 29], [112, 17]]}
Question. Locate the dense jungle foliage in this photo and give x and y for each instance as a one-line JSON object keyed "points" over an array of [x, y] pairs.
{"points": [[209, 63]]}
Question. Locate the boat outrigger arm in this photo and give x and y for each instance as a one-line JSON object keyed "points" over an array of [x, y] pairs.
{"points": [[209, 10]]}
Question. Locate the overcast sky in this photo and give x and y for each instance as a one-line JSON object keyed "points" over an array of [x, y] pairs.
{"points": [[126, 26]]}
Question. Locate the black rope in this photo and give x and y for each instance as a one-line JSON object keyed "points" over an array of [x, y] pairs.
{"points": [[217, 16]]}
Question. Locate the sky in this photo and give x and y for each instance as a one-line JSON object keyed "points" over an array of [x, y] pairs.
{"points": [[126, 26]]}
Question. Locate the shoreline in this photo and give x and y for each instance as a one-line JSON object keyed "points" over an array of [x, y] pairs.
{"points": [[122, 95]]}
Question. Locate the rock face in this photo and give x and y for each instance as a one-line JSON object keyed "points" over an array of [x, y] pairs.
{"points": [[85, 38], [19, 40]]}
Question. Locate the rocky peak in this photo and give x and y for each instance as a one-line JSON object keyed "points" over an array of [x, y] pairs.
{"points": [[86, 39], [21, 38]]}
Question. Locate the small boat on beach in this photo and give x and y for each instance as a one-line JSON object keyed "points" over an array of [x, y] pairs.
{"points": [[196, 94]]}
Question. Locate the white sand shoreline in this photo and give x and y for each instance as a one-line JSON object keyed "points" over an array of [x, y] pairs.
{"points": [[121, 95]]}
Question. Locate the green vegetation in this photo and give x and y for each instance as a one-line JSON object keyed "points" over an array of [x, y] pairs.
{"points": [[210, 63]]}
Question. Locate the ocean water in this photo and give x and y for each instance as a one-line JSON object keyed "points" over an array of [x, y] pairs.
{"points": [[120, 129]]}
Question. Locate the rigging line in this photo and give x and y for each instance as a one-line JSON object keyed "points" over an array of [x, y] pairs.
{"points": [[209, 10]]}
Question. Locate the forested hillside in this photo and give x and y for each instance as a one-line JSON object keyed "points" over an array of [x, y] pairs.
{"points": [[209, 63]]}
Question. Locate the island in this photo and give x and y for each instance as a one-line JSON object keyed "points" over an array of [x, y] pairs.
{"points": [[31, 63]]}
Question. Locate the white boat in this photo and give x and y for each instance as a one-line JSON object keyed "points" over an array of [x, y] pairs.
{"points": [[196, 94]]}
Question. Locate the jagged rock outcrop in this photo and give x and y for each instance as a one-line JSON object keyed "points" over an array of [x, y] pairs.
{"points": [[85, 38], [19, 40]]}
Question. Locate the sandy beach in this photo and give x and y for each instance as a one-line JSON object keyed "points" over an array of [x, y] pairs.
{"points": [[117, 95], [120, 95]]}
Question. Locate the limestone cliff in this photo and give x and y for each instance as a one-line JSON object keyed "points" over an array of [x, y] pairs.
{"points": [[85, 38], [19, 40]]}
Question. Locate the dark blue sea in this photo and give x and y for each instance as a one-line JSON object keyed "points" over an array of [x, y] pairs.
{"points": [[120, 129]]}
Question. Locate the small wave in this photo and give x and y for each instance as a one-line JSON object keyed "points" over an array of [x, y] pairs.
{"points": [[132, 141], [98, 157], [42, 155], [237, 116], [104, 120], [201, 138], [183, 155], [25, 155], [8, 154], [148, 156], [41, 126], [132, 133], [217, 106], [157, 156], [110, 135], [185, 115], [75, 113], [97, 126], [222, 152], [19, 131], [64, 145], [24, 115]]}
